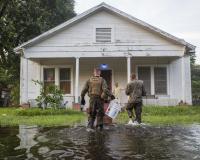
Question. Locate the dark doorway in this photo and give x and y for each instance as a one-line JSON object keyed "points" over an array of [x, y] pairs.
{"points": [[107, 75]]}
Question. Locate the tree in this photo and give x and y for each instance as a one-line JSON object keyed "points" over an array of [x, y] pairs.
{"points": [[21, 20], [192, 59], [195, 80]]}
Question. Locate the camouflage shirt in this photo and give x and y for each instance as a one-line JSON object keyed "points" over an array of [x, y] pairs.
{"points": [[89, 88], [135, 90]]}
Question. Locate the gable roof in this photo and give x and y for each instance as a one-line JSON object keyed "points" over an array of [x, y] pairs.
{"points": [[104, 6]]}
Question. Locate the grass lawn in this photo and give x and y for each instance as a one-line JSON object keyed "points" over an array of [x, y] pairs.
{"points": [[36, 116], [62, 117], [166, 115]]}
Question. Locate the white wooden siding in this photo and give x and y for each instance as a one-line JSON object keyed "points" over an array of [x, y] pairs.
{"points": [[180, 88], [128, 38], [188, 90]]}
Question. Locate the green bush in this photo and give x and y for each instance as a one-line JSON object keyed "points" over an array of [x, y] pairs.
{"points": [[50, 96], [15, 94]]}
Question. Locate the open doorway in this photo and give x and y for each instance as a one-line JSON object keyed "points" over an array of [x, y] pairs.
{"points": [[107, 75]]}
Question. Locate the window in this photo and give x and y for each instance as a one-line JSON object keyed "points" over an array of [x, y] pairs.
{"points": [[65, 80], [144, 73], [160, 76], [59, 76], [49, 76], [103, 35]]}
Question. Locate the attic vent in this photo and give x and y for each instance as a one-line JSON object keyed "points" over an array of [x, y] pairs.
{"points": [[103, 34]]}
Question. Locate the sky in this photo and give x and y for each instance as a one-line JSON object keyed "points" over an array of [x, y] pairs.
{"points": [[180, 18]]}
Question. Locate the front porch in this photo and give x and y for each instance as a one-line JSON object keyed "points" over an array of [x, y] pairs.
{"points": [[161, 76]]}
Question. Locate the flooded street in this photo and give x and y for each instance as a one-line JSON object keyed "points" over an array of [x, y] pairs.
{"points": [[115, 142]]}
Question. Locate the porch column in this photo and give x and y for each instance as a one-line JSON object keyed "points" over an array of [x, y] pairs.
{"points": [[23, 80], [77, 80], [128, 68], [183, 77]]}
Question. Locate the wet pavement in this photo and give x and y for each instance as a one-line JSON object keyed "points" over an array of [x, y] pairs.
{"points": [[115, 142]]}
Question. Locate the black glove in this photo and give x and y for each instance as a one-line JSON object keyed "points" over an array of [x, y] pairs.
{"points": [[112, 97], [82, 101]]}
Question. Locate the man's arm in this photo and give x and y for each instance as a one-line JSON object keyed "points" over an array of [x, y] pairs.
{"points": [[143, 90], [83, 92], [106, 90], [85, 89], [128, 89]]}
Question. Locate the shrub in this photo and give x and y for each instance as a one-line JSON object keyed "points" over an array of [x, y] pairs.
{"points": [[50, 96], [15, 95]]}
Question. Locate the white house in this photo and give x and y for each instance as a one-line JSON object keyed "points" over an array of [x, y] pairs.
{"points": [[117, 42]]}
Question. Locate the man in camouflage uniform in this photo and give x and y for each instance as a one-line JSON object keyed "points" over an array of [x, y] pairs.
{"points": [[97, 90], [135, 90]]}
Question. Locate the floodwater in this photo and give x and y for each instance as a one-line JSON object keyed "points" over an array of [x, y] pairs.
{"points": [[115, 142]]}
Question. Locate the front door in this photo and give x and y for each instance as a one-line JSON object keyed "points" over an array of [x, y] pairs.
{"points": [[107, 75]]}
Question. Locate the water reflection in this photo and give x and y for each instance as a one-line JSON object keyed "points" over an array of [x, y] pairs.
{"points": [[26, 136], [116, 142]]}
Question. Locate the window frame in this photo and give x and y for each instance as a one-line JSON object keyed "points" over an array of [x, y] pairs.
{"points": [[54, 75], [70, 80], [150, 77], [152, 66], [155, 80], [57, 76]]}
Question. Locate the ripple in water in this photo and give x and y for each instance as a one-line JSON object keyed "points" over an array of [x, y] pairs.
{"points": [[115, 142]]}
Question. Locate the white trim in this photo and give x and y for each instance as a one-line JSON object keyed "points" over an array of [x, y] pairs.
{"points": [[104, 6], [57, 67], [152, 80], [152, 66], [21, 78], [183, 78], [77, 80], [25, 83], [128, 68]]}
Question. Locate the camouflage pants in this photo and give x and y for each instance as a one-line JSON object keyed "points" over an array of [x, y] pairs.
{"points": [[138, 110], [96, 109]]}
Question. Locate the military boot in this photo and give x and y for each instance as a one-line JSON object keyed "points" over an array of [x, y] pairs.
{"points": [[91, 124]]}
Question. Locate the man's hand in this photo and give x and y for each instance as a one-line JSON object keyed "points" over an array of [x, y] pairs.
{"points": [[82, 101], [112, 97]]}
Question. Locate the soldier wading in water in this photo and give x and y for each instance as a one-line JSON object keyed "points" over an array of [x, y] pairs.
{"points": [[135, 90], [97, 90]]}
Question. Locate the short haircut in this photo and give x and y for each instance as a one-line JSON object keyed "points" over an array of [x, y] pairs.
{"points": [[97, 70], [133, 76]]}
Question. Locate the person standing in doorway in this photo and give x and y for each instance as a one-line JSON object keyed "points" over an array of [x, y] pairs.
{"points": [[97, 89], [116, 91], [135, 90]]}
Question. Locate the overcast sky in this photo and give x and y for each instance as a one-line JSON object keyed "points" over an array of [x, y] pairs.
{"points": [[180, 18]]}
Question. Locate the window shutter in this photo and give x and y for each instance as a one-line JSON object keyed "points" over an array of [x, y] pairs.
{"points": [[103, 35], [160, 75]]}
